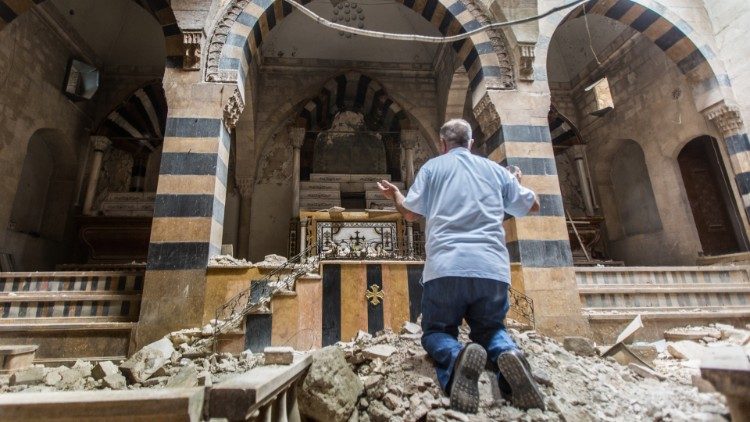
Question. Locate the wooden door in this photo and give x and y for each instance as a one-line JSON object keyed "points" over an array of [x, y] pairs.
{"points": [[708, 194]]}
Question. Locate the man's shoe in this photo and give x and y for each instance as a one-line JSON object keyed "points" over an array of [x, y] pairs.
{"points": [[464, 390], [525, 393]]}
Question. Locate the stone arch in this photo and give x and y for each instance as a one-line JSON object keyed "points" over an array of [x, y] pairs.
{"points": [[159, 9], [690, 53], [236, 42], [353, 91]]}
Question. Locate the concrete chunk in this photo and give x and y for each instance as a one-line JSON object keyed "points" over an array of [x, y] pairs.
{"points": [[581, 346], [148, 360], [645, 372], [187, 377], [28, 376], [278, 355], [115, 381], [104, 368], [686, 349], [380, 351]]}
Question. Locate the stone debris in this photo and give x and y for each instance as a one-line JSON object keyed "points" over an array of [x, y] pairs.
{"points": [[228, 261], [271, 261], [581, 346], [686, 349], [103, 369], [331, 389], [692, 333], [28, 376], [402, 385], [161, 364], [278, 355], [379, 351]]}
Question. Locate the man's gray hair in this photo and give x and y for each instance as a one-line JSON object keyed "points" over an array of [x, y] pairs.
{"points": [[456, 131]]}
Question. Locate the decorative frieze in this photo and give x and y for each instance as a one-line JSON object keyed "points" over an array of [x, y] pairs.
{"points": [[219, 38], [192, 41]]}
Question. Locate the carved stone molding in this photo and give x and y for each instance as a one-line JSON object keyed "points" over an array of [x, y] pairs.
{"points": [[409, 139], [245, 186], [487, 116], [233, 109], [526, 69], [100, 143], [296, 136], [219, 38], [192, 40], [727, 119], [506, 80]]}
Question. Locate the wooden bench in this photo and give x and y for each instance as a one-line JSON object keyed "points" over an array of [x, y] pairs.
{"points": [[15, 357]]}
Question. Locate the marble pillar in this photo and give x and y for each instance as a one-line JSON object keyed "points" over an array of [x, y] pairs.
{"points": [[409, 141], [100, 145]]}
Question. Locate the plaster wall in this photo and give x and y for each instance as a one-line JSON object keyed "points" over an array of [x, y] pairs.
{"points": [[33, 62]]}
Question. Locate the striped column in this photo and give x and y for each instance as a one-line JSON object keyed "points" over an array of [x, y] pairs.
{"points": [[189, 208], [539, 241], [731, 127]]}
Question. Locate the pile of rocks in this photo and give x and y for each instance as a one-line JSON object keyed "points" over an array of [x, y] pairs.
{"points": [[228, 261], [180, 359], [680, 354], [389, 377]]}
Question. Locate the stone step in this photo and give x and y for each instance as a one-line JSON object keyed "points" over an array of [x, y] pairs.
{"points": [[72, 296], [319, 204], [374, 195], [654, 298], [662, 275], [183, 404], [305, 185], [320, 194], [348, 178], [379, 203], [664, 288], [72, 281], [374, 186]]}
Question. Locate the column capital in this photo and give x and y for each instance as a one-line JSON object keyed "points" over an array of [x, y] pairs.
{"points": [[245, 185], [487, 116], [409, 138], [100, 143], [296, 136], [727, 119], [578, 151]]}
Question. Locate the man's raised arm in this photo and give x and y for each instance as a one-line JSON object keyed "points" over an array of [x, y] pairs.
{"points": [[390, 191]]}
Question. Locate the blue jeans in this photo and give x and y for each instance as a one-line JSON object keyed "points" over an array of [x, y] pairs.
{"points": [[448, 300]]}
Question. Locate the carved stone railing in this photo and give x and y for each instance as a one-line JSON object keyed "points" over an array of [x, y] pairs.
{"points": [[267, 393]]}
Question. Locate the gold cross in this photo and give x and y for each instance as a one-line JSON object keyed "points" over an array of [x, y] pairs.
{"points": [[374, 295]]}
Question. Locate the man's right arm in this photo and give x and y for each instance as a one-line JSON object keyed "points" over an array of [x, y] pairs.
{"points": [[518, 200]]}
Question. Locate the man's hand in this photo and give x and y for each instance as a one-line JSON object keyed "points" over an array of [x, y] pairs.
{"points": [[388, 189]]}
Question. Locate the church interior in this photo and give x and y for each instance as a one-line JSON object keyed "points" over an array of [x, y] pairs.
{"points": [[165, 164]]}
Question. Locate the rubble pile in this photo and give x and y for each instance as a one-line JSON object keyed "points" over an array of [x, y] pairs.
{"points": [[180, 359], [228, 261], [398, 382], [680, 354]]}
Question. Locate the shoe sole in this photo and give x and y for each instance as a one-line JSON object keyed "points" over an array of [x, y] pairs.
{"points": [[525, 393], [465, 389]]}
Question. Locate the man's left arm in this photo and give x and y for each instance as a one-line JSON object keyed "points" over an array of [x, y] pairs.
{"points": [[519, 200]]}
